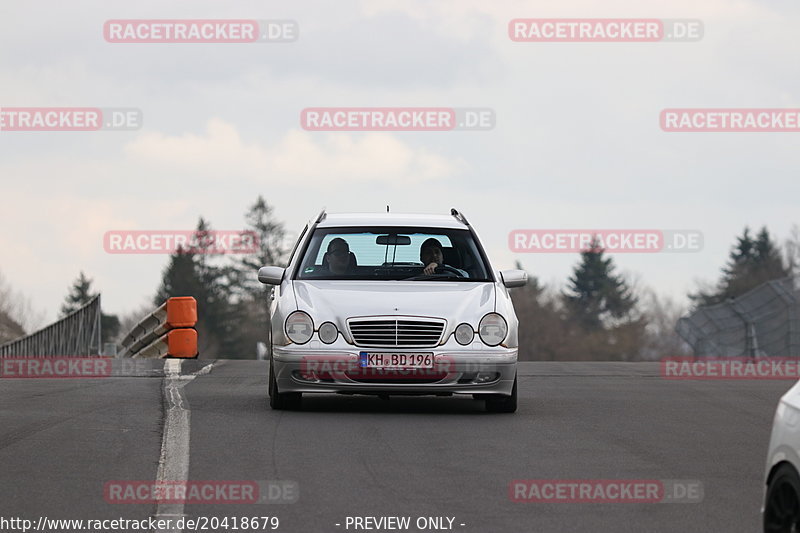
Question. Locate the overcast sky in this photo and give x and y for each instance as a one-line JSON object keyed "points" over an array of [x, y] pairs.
{"points": [[577, 142]]}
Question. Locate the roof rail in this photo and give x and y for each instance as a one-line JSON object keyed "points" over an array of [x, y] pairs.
{"points": [[321, 216], [459, 216]]}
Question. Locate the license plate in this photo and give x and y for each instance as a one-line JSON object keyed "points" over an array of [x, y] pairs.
{"points": [[395, 360]]}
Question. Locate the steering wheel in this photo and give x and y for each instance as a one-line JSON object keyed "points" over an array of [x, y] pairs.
{"points": [[442, 269]]}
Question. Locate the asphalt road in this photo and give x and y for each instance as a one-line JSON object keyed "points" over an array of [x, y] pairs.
{"points": [[63, 440]]}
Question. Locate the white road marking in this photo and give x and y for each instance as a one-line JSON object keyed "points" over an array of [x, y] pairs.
{"points": [[173, 465]]}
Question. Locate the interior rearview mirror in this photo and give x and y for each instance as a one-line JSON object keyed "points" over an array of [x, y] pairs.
{"points": [[393, 240]]}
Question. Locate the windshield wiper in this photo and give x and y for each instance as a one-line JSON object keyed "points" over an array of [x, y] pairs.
{"points": [[434, 277]]}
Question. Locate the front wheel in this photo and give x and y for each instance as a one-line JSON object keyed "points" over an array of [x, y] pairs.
{"points": [[282, 400], [782, 505], [501, 403]]}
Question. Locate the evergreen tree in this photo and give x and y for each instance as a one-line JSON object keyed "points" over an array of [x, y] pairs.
{"points": [[769, 260], [80, 293], [194, 272], [270, 251], [270, 232], [252, 301], [751, 262], [595, 295], [179, 278], [220, 312], [542, 328]]}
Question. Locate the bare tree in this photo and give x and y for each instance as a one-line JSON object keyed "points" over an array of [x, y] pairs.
{"points": [[17, 314], [791, 249], [662, 314]]}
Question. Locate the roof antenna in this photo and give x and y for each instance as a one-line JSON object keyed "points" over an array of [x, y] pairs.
{"points": [[387, 208]]}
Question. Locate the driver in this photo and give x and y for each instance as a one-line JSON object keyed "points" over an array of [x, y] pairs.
{"points": [[430, 253]]}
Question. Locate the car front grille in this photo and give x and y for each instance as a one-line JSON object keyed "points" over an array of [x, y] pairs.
{"points": [[396, 332]]}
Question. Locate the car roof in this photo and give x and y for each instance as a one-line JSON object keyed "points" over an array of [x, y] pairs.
{"points": [[335, 220]]}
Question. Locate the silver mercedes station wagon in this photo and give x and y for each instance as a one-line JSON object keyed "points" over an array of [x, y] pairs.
{"points": [[392, 304]]}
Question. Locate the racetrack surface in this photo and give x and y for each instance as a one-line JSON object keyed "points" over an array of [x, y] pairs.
{"points": [[62, 440]]}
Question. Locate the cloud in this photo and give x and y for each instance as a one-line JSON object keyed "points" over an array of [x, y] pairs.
{"points": [[299, 157], [219, 149], [464, 11]]}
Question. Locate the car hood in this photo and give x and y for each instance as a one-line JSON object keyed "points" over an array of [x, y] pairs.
{"points": [[339, 300]]}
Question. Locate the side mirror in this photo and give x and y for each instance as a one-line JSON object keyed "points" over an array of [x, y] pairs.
{"points": [[271, 275], [514, 278]]}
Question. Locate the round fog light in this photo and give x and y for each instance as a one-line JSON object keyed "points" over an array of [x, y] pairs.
{"points": [[464, 334], [328, 332], [485, 377]]}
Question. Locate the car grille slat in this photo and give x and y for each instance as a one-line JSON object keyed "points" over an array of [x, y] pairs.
{"points": [[423, 333]]}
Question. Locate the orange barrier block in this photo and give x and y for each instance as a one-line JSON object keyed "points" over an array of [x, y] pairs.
{"points": [[182, 342], [181, 312]]}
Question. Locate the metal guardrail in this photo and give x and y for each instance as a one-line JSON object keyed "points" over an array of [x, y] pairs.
{"points": [[76, 335], [166, 332], [763, 322]]}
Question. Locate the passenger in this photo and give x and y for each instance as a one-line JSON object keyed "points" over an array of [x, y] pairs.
{"points": [[338, 257], [431, 255]]}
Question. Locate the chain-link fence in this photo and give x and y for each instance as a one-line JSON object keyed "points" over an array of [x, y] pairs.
{"points": [[763, 322], [77, 334]]}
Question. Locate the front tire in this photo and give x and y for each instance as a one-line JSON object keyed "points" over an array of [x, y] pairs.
{"points": [[782, 504], [282, 400], [501, 403]]}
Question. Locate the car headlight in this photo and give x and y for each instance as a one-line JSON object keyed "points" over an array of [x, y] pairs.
{"points": [[492, 329], [328, 332], [299, 327], [464, 334]]}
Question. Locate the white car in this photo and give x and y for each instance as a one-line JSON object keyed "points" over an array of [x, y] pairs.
{"points": [[781, 510], [392, 304]]}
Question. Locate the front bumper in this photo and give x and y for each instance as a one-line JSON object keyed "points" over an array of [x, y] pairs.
{"points": [[489, 371]]}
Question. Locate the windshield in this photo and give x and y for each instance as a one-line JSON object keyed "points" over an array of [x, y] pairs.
{"points": [[392, 253]]}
